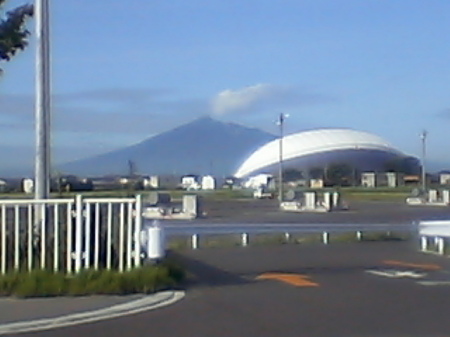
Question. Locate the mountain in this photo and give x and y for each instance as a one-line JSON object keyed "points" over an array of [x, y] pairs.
{"points": [[204, 146]]}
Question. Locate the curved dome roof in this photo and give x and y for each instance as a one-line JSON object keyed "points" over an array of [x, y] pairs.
{"points": [[312, 143]]}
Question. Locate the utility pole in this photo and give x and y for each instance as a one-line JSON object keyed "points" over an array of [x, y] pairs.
{"points": [[423, 137], [42, 107], [280, 123]]}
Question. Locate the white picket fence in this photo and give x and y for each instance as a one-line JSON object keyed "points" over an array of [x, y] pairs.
{"points": [[70, 234]]}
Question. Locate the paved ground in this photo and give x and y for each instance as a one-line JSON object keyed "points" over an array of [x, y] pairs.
{"points": [[224, 297], [267, 211]]}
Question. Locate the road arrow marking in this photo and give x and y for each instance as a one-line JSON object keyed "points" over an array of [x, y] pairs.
{"points": [[297, 280]]}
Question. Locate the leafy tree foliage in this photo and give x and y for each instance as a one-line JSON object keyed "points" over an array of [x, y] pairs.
{"points": [[13, 33], [316, 173], [406, 165], [339, 174], [292, 175]]}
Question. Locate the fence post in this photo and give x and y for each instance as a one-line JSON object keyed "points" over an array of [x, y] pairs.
{"points": [[325, 238], [194, 241], [287, 237], [3, 241], [359, 235], [78, 232], [423, 243], [244, 239], [441, 246], [137, 231]]}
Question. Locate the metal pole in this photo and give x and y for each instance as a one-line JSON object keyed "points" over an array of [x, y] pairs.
{"points": [[423, 137], [280, 166], [42, 113]]}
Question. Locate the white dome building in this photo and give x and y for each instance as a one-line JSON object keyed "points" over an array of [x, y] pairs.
{"points": [[320, 148]]}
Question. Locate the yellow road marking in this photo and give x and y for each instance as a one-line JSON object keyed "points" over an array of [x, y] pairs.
{"points": [[297, 280], [412, 265]]}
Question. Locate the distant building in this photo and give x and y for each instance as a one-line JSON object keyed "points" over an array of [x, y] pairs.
{"points": [[190, 182], [208, 183], [28, 185], [257, 181], [385, 179], [444, 178], [303, 151]]}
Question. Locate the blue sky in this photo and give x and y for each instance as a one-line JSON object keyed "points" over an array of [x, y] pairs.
{"points": [[123, 71]]}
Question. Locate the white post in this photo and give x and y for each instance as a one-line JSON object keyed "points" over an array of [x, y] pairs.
{"points": [[423, 243], [87, 236], [121, 236], [325, 238], [109, 236], [30, 237], [56, 238], [78, 232], [16, 238], [130, 236], [3, 241], [441, 246], [97, 235], [287, 237], [69, 220], [194, 241], [137, 231], [359, 235], [42, 209], [244, 239]]}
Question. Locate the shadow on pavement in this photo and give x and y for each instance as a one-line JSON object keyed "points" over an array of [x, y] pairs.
{"points": [[202, 274]]}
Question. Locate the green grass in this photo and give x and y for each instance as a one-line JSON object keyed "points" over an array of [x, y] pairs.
{"points": [[43, 283]]}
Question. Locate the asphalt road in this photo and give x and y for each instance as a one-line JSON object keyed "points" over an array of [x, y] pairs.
{"points": [[225, 298], [267, 211]]}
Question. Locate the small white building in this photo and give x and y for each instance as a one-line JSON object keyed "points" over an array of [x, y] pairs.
{"points": [[316, 183], [151, 182], [444, 178], [368, 179], [260, 180], [28, 185], [208, 183], [190, 182]]}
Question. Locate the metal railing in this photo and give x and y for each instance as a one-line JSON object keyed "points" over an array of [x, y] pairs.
{"points": [[70, 234], [194, 232]]}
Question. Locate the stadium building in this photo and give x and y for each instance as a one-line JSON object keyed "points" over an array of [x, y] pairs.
{"points": [[320, 148]]}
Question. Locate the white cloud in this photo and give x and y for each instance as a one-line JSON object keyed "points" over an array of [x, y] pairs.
{"points": [[262, 97]]}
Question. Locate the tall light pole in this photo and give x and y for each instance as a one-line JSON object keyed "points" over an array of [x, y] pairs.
{"points": [[280, 123], [42, 108], [423, 137]]}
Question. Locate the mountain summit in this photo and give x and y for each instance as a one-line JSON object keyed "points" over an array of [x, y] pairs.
{"points": [[204, 146]]}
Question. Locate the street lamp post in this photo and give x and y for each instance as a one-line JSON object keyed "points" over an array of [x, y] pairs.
{"points": [[280, 122], [42, 107], [423, 137]]}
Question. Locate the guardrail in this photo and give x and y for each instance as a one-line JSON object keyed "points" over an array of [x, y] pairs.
{"points": [[434, 235], [195, 231]]}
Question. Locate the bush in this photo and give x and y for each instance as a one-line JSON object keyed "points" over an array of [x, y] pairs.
{"points": [[42, 283]]}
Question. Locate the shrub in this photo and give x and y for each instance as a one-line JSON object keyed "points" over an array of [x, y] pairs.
{"points": [[43, 283]]}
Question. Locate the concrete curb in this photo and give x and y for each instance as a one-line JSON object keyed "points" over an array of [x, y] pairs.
{"points": [[144, 304]]}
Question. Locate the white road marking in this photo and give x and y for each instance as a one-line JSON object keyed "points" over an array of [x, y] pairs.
{"points": [[397, 273], [434, 283], [144, 304]]}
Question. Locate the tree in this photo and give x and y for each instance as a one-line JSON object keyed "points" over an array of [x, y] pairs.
{"points": [[13, 32], [406, 165], [290, 175], [339, 174], [316, 173]]}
